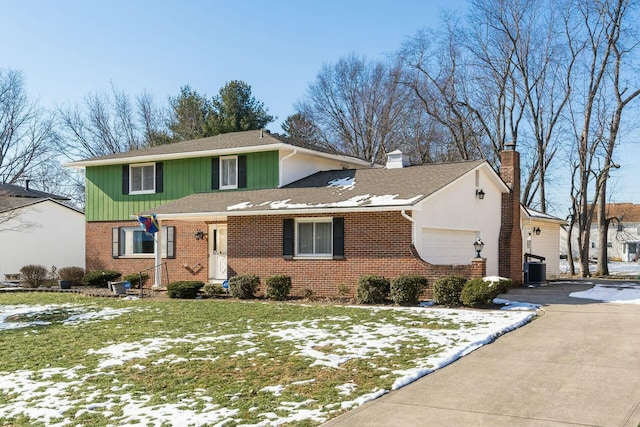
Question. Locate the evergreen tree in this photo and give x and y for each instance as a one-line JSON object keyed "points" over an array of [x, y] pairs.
{"points": [[235, 109]]}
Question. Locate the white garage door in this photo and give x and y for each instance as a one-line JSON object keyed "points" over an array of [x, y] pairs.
{"points": [[448, 246]]}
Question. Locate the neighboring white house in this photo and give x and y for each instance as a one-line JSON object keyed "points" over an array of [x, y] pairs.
{"points": [[38, 228], [623, 239], [541, 238]]}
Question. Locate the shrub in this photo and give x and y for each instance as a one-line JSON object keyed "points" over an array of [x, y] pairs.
{"points": [[406, 289], [212, 289], [187, 289], [307, 293], [34, 275], [244, 287], [343, 290], [447, 290], [278, 287], [72, 274], [134, 279], [372, 290], [503, 285], [478, 293], [99, 278]]}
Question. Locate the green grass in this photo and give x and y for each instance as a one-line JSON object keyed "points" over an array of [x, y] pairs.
{"points": [[207, 355]]}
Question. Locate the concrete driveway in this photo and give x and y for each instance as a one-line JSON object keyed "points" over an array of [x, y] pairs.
{"points": [[578, 363]]}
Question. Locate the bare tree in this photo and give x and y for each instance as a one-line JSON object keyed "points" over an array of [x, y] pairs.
{"points": [[608, 41], [356, 105], [108, 123], [26, 142], [26, 132]]}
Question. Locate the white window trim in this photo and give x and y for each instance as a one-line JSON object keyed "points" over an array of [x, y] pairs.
{"points": [[126, 233], [298, 255], [141, 165], [228, 187]]}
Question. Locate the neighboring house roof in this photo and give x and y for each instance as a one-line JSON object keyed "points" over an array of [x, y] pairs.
{"points": [[223, 144], [532, 214], [13, 203], [349, 189], [10, 190], [625, 212]]}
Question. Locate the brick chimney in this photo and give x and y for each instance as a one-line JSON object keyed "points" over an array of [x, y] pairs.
{"points": [[510, 241]]}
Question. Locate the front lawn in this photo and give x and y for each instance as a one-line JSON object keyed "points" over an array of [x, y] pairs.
{"points": [[71, 359]]}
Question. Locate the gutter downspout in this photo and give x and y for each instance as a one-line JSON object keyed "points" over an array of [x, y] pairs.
{"points": [[403, 212], [295, 151]]}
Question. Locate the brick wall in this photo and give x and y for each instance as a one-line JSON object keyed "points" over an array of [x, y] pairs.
{"points": [[375, 243], [510, 240], [191, 255]]}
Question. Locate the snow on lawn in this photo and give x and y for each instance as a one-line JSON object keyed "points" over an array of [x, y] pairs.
{"points": [[45, 395]]}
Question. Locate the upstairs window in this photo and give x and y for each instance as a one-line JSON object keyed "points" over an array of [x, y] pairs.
{"points": [[228, 173], [143, 178]]}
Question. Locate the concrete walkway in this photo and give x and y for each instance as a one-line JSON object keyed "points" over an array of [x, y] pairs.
{"points": [[578, 364]]}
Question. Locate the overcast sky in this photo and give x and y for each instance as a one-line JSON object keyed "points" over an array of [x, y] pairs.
{"points": [[68, 49]]}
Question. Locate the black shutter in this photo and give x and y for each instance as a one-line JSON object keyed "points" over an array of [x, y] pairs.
{"points": [[125, 179], [287, 238], [159, 179], [115, 244], [215, 173], [242, 171], [338, 238], [171, 242]]}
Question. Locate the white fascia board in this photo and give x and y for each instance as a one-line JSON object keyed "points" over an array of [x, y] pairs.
{"points": [[526, 216], [329, 211], [81, 164]]}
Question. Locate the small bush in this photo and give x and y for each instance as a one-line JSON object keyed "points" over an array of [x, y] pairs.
{"points": [[307, 293], [447, 290], [406, 289], [278, 287], [99, 278], [212, 289], [134, 279], [343, 290], [372, 290], [34, 275], [478, 293], [187, 289], [72, 274], [244, 287]]}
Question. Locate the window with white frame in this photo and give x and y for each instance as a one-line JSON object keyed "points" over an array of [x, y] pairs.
{"points": [[142, 178], [314, 237], [228, 172], [135, 242]]}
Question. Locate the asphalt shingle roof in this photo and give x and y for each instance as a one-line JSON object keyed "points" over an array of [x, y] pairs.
{"points": [[225, 141], [10, 190], [336, 189]]}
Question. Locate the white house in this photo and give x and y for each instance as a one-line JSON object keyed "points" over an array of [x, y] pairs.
{"points": [[38, 228], [541, 239], [623, 239]]}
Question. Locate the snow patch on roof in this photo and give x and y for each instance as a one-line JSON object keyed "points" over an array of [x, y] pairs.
{"points": [[355, 201], [347, 183]]}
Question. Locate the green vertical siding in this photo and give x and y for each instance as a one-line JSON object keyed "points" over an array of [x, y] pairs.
{"points": [[182, 177]]}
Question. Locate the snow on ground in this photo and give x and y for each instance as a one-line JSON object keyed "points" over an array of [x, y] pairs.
{"points": [[620, 292], [45, 395]]}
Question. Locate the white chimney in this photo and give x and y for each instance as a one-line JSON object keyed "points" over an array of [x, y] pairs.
{"points": [[396, 159]]}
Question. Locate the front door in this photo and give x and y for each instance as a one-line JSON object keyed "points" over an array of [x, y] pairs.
{"points": [[217, 252]]}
